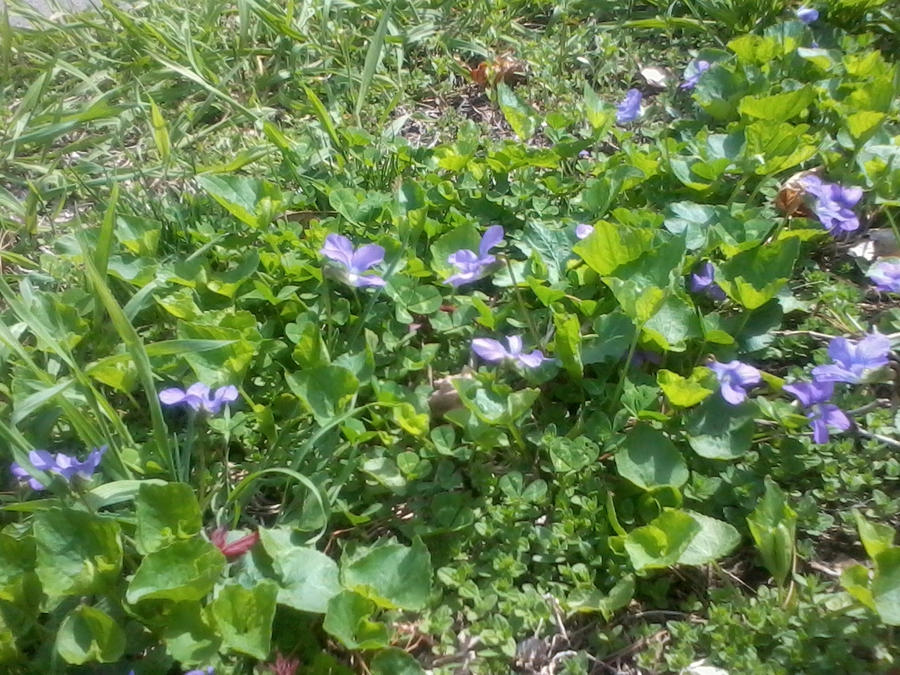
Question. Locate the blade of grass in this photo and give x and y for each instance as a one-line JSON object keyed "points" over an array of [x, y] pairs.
{"points": [[324, 117], [135, 347], [373, 55], [160, 135]]}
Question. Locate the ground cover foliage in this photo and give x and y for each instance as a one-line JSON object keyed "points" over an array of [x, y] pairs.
{"points": [[453, 337]]}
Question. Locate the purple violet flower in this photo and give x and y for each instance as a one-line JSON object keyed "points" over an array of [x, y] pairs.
{"points": [[693, 72], [493, 351], [352, 264], [807, 14], [852, 359], [61, 464], [197, 397], [473, 266], [833, 204], [209, 670], [642, 356], [583, 230], [734, 379], [821, 415], [630, 107], [885, 274], [703, 281]]}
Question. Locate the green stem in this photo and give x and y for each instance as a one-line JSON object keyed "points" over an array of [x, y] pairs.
{"points": [[621, 385], [894, 227], [188, 447], [526, 315], [517, 436]]}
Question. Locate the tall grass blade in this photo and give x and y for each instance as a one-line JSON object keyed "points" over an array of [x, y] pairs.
{"points": [[324, 117], [373, 56], [135, 347], [160, 135]]}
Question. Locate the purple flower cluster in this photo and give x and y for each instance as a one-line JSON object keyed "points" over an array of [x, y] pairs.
{"points": [[198, 397], [735, 378], [703, 281], [472, 266], [61, 464], [351, 265], [807, 14], [693, 72], [583, 230], [885, 274], [852, 362], [493, 351], [833, 204], [814, 396], [630, 107]]}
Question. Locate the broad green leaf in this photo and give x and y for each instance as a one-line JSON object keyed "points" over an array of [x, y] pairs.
{"points": [[693, 221], [183, 571], [718, 430], [684, 391], [188, 634], [239, 345], [395, 661], [412, 299], [349, 619], [390, 574], [772, 147], [650, 460], [778, 107], [571, 454], [639, 302], [615, 331], [310, 350], [886, 585], [244, 617], [521, 117], [325, 391], [78, 553], [672, 324], [599, 114], [568, 343], [875, 537], [9, 649], [18, 581], [496, 406], [820, 58], [755, 49], [88, 634], [227, 283], [551, 246], [661, 543], [855, 580], [772, 524], [307, 579], [410, 196], [253, 201], [863, 123], [719, 92], [714, 540], [754, 277], [611, 246], [164, 514], [606, 603]]}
